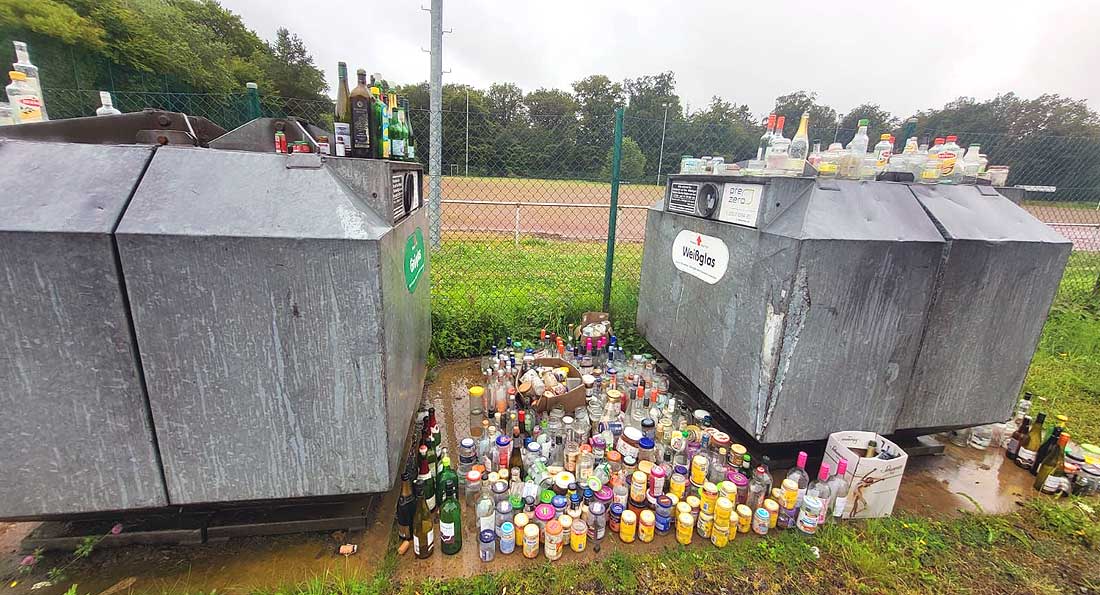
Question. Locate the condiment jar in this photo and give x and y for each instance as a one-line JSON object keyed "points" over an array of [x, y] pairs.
{"points": [[488, 545], [704, 524], [531, 541], [614, 517], [685, 527], [808, 514], [723, 510], [677, 484], [742, 482], [761, 520], [695, 504], [507, 538], [657, 480], [553, 540], [720, 536], [521, 520], [628, 526], [744, 518], [646, 526], [709, 497], [773, 512], [578, 536], [638, 487], [699, 467], [790, 493]]}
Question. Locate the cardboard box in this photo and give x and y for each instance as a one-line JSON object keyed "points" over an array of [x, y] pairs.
{"points": [[572, 398], [592, 318], [873, 483]]}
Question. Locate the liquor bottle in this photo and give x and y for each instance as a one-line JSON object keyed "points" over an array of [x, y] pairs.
{"points": [[799, 475], [341, 122], [410, 143], [820, 488], [423, 526], [776, 155], [378, 117], [406, 509], [860, 141], [800, 145], [759, 487], [447, 477], [839, 485], [106, 106], [26, 103], [1018, 438], [1051, 471], [1051, 443], [450, 522], [386, 144], [23, 64], [427, 482], [765, 138], [397, 129], [516, 458], [1025, 456], [360, 117]]}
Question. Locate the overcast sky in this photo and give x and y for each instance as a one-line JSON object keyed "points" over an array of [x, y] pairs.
{"points": [[903, 55]]}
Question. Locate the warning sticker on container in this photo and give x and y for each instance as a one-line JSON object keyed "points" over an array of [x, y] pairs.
{"points": [[701, 256], [681, 197]]}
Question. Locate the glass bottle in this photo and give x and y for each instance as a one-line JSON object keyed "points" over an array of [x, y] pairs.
{"points": [[799, 475], [423, 526], [829, 166], [361, 103], [800, 144], [1049, 444], [410, 141], [406, 508], [930, 170], [815, 156], [838, 486], [26, 104], [1018, 438], [106, 105], [447, 477], [426, 481], [1025, 456], [450, 522], [23, 64], [760, 486], [778, 148], [820, 489], [397, 128], [765, 138], [1051, 472], [486, 509]]}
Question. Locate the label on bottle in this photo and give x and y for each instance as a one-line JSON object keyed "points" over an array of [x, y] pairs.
{"points": [[1025, 457], [342, 135], [398, 147], [385, 134], [883, 158], [431, 502], [947, 162], [1052, 484], [839, 506], [1013, 447], [360, 125], [26, 108], [446, 532], [423, 546]]}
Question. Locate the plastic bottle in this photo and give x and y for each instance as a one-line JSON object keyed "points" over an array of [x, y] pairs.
{"points": [[971, 164], [949, 156], [860, 141], [26, 104], [106, 107], [883, 150], [23, 64]]}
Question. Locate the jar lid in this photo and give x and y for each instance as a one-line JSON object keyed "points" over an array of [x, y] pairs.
{"points": [[488, 536], [466, 443], [605, 494], [739, 449], [521, 519], [762, 513], [664, 501], [710, 488], [616, 509], [566, 522], [645, 443], [516, 501], [743, 510], [647, 517], [531, 531], [738, 479], [553, 527], [504, 507], [500, 487], [648, 423], [563, 479], [534, 447], [594, 484], [544, 512], [597, 508], [614, 456], [559, 501], [503, 441], [474, 475], [724, 503], [790, 484], [546, 496], [685, 519], [629, 516], [683, 508], [646, 466], [579, 526], [477, 391], [657, 471], [771, 505], [681, 469], [693, 501], [614, 394], [630, 461], [632, 433], [507, 527]]}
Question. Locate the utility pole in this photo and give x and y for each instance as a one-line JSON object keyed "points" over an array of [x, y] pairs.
{"points": [[661, 156], [435, 132], [467, 131]]}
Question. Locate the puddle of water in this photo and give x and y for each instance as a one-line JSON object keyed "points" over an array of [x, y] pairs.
{"points": [[932, 486]]}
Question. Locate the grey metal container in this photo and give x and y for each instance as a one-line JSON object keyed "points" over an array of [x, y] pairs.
{"points": [[283, 338], [78, 438], [819, 321]]}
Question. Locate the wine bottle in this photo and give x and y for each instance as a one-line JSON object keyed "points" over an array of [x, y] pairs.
{"points": [[1025, 456], [1052, 470], [450, 522], [1018, 438], [423, 525], [1049, 444], [360, 117], [406, 509], [341, 122]]}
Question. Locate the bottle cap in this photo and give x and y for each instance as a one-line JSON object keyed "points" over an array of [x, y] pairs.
{"points": [[488, 536], [884, 137], [864, 122], [473, 476], [938, 141]]}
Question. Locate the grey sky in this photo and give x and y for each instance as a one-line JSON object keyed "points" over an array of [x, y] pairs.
{"points": [[904, 55]]}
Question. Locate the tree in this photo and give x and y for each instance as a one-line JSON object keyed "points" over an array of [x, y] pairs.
{"points": [[631, 165], [880, 121], [598, 99], [506, 103], [291, 68], [649, 99]]}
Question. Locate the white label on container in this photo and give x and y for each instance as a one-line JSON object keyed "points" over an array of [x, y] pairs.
{"points": [[681, 197], [701, 256], [740, 203]]}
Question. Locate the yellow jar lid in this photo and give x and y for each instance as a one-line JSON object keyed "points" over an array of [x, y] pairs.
{"points": [[771, 505], [744, 511]]}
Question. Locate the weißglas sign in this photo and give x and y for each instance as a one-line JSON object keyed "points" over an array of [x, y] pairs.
{"points": [[701, 256]]}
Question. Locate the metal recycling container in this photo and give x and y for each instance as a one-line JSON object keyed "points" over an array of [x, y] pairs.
{"points": [[78, 438], [281, 308], [802, 307]]}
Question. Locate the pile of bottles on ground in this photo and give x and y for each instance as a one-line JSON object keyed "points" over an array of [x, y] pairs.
{"points": [[1060, 465], [631, 461], [941, 162]]}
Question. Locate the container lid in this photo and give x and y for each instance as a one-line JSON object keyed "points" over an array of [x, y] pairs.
{"points": [[710, 488], [633, 434], [563, 479], [499, 487], [559, 501], [466, 443], [531, 531], [647, 517], [692, 501], [521, 520], [504, 507], [681, 469], [605, 494], [685, 519], [724, 503], [614, 456], [664, 501], [1091, 470], [488, 536], [629, 516], [597, 508], [657, 471], [544, 512], [790, 484], [762, 513], [476, 391], [593, 484], [683, 508], [516, 501], [503, 441], [720, 439], [738, 479], [638, 477], [507, 527], [739, 449], [473, 476], [771, 505], [616, 509], [553, 527], [811, 502], [534, 447], [566, 522], [579, 526], [743, 510]]}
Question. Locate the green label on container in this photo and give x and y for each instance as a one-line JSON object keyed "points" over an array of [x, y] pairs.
{"points": [[414, 259]]}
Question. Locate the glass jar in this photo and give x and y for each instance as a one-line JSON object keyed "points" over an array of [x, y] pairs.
{"points": [[488, 545], [500, 492], [1087, 482], [467, 455], [597, 520], [553, 540], [981, 437], [473, 486]]}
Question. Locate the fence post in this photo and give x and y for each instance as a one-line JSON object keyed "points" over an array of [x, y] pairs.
{"points": [[613, 212], [253, 100]]}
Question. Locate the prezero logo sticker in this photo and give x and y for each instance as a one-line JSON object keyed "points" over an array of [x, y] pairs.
{"points": [[701, 256], [414, 259]]}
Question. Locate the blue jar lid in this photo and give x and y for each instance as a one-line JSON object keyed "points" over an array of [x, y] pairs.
{"points": [[576, 497], [645, 443], [488, 536], [503, 441], [558, 501], [506, 527], [616, 509]]}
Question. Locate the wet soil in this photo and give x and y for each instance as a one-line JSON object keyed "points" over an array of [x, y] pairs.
{"points": [[962, 479]]}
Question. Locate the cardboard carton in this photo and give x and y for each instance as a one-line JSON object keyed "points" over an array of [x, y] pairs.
{"points": [[872, 483], [572, 398]]}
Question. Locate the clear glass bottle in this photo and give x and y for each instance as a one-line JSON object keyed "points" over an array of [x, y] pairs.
{"points": [[930, 171], [800, 144], [799, 475], [820, 489], [815, 156], [778, 148]]}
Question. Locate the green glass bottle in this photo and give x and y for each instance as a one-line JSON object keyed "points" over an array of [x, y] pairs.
{"points": [[341, 121], [1052, 470], [447, 477], [450, 521], [379, 125], [423, 525], [397, 129], [427, 479], [410, 139]]}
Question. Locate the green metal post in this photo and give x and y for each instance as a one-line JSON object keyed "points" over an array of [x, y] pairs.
{"points": [[253, 101], [613, 213]]}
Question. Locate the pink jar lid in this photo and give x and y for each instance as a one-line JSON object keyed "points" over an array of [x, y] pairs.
{"points": [[544, 512], [606, 494], [737, 478]]}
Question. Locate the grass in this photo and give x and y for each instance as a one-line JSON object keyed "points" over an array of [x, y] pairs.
{"points": [[1063, 204], [1048, 546]]}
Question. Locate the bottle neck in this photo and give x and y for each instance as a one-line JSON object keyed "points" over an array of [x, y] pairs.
{"points": [[21, 54]]}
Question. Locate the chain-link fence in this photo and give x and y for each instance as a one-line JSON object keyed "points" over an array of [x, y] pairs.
{"points": [[526, 201]]}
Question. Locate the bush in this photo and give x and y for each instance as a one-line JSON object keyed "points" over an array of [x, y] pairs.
{"points": [[633, 161]]}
